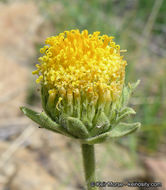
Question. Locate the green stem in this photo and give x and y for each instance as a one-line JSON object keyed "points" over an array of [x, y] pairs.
{"points": [[89, 165]]}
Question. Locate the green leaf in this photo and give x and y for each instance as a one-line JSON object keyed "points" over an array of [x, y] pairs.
{"points": [[127, 91], [123, 129], [101, 124], [44, 121], [77, 128], [96, 140], [120, 130], [74, 126], [124, 113], [44, 98], [84, 114]]}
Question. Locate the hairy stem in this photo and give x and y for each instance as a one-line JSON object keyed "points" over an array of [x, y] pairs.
{"points": [[89, 165]]}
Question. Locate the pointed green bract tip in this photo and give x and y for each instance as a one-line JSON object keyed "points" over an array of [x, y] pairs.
{"points": [[23, 109]]}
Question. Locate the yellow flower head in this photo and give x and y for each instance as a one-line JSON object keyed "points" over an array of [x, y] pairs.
{"points": [[76, 62], [82, 87]]}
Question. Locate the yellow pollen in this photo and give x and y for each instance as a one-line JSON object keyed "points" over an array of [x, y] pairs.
{"points": [[60, 99], [76, 62]]}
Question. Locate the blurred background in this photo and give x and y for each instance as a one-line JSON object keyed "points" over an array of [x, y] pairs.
{"points": [[33, 158]]}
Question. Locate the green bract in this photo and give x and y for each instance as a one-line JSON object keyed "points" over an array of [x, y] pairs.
{"points": [[94, 125]]}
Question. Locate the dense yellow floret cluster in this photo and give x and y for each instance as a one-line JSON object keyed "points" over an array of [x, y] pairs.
{"points": [[76, 62]]}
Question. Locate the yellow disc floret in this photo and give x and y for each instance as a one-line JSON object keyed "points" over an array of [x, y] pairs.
{"points": [[81, 62]]}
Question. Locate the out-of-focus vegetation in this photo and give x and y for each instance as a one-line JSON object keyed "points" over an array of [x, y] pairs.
{"points": [[140, 27]]}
